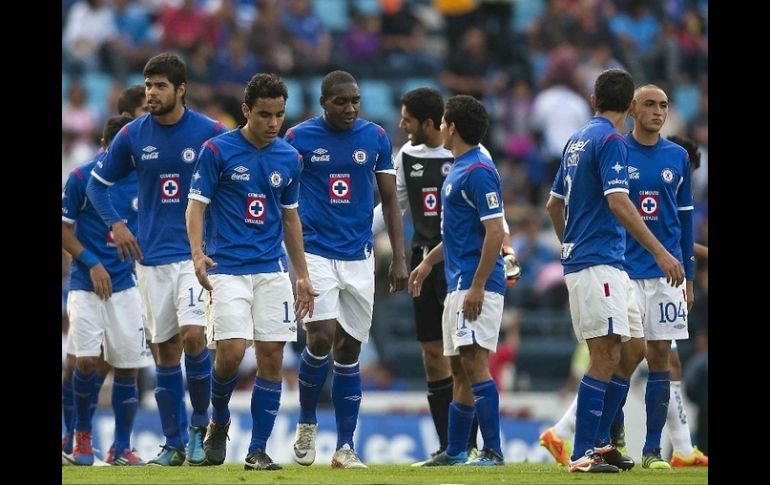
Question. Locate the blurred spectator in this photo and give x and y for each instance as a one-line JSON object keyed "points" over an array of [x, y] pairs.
{"points": [[362, 45], [597, 58], [533, 253], [377, 376], [184, 27], [403, 41], [645, 49], [459, 16], [270, 40], [89, 28], [74, 151], [311, 43], [554, 28], [136, 39], [234, 67], [472, 69], [77, 116], [559, 110]]}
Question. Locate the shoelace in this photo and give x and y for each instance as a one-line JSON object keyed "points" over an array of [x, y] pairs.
{"points": [[83, 446], [305, 437]]}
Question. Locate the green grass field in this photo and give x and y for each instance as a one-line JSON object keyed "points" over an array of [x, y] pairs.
{"points": [[519, 473]]}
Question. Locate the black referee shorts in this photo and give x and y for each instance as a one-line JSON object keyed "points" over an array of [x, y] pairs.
{"points": [[429, 306]]}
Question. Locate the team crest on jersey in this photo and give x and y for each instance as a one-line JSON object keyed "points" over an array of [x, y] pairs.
{"points": [[649, 204], [188, 155], [430, 201], [667, 175], [255, 208], [445, 168], [276, 179], [339, 188], [447, 190], [492, 201], [170, 188], [360, 156]]}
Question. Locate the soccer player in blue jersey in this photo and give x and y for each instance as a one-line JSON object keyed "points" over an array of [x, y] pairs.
{"points": [[421, 166], [131, 103], [104, 308], [342, 156], [249, 181], [472, 235], [162, 149], [589, 206]]}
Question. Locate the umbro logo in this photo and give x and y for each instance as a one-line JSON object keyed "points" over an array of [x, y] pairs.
{"points": [[320, 155], [150, 153], [241, 169], [149, 148]]}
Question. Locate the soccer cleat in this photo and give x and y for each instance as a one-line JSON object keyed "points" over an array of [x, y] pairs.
{"points": [[592, 462], [196, 456], [66, 450], [346, 457], [653, 461], [557, 447], [487, 457], [125, 458], [618, 437], [445, 459], [82, 452], [473, 453], [615, 457], [215, 444], [432, 455], [304, 443], [168, 456], [259, 460], [696, 458]]}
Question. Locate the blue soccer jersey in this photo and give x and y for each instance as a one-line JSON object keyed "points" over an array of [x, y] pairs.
{"points": [[470, 194], [336, 197], [593, 166], [661, 187], [91, 231], [163, 157], [246, 189]]}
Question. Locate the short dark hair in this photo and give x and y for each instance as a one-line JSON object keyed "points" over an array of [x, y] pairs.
{"points": [[692, 149], [131, 99], [264, 85], [166, 64], [424, 104], [113, 125], [469, 116], [614, 90], [334, 78]]}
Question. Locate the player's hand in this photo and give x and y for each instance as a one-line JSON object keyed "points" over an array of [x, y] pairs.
{"points": [[202, 263], [304, 304], [474, 300], [671, 267], [689, 294], [125, 242], [512, 267], [101, 281], [416, 278], [397, 275]]}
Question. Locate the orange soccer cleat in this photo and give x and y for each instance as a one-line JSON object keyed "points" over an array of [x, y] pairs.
{"points": [[556, 446], [696, 458]]}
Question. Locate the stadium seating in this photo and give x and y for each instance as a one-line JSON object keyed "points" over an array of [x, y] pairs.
{"points": [[333, 14], [686, 98], [377, 100]]}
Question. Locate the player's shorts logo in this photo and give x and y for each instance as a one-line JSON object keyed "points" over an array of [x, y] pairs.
{"points": [[445, 168], [169, 188], [188, 155], [667, 175], [359, 156], [276, 179], [339, 188], [255, 209], [430, 201]]}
